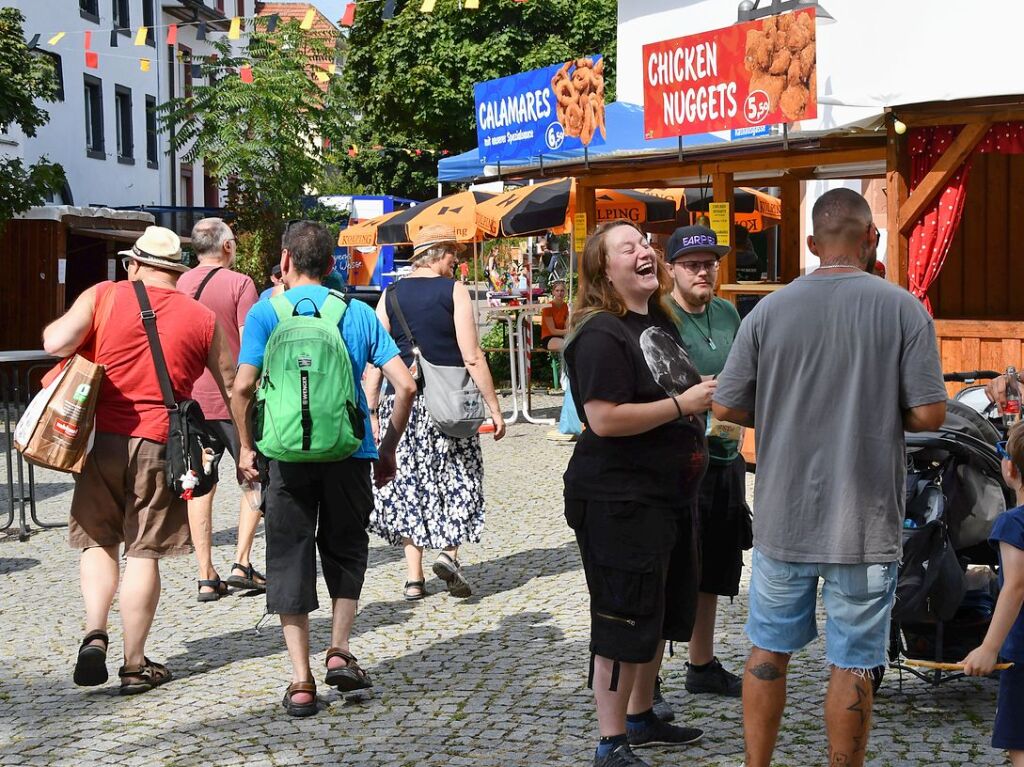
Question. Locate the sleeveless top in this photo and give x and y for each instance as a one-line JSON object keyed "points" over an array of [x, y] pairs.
{"points": [[429, 309]]}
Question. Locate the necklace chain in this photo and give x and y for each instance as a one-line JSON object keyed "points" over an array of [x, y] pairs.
{"points": [[707, 314], [837, 266]]}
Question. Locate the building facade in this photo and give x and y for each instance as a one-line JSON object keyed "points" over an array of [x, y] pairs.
{"points": [[103, 128]]}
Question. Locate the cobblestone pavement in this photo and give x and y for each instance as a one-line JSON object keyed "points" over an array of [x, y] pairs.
{"points": [[497, 680]]}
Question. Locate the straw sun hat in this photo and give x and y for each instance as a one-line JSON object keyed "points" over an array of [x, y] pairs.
{"points": [[158, 247], [434, 235]]}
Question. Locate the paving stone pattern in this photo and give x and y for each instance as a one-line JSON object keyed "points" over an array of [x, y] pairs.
{"points": [[497, 680]]}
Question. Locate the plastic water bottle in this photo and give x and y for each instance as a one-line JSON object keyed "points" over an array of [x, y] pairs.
{"points": [[1011, 410]]}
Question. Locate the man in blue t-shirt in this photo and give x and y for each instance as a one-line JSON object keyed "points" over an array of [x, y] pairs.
{"points": [[319, 505]]}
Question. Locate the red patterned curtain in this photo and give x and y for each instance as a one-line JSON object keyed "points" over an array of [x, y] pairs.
{"points": [[933, 234]]}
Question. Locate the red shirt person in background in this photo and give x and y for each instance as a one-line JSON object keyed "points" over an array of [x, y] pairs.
{"points": [[121, 496], [230, 295]]}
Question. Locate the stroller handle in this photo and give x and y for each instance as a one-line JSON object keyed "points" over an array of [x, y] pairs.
{"points": [[971, 376]]}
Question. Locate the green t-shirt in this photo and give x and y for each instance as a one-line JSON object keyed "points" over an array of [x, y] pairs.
{"points": [[720, 322]]}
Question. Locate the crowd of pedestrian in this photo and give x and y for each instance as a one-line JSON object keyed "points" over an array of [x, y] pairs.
{"points": [[319, 401]]}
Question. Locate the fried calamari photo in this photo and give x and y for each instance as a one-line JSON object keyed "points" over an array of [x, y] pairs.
{"points": [[580, 97]]}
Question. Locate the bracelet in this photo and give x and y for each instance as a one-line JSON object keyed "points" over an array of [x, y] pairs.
{"points": [[373, 410], [678, 409]]}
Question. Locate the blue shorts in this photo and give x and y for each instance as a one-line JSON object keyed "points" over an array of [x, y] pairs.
{"points": [[858, 602], [1007, 732]]}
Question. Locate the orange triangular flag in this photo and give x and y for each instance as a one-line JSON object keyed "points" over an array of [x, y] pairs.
{"points": [[348, 18], [307, 20], [140, 36], [172, 34], [92, 60], [236, 28], [88, 40], [246, 74], [144, 65]]}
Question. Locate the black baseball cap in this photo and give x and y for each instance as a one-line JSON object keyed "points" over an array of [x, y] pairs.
{"points": [[693, 239]]}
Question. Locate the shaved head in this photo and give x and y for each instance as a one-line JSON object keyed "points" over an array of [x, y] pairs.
{"points": [[840, 216]]}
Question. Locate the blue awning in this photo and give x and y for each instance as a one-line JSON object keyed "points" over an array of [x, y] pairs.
{"points": [[625, 126]]}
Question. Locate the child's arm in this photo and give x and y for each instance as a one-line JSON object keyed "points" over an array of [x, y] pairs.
{"points": [[982, 660]]}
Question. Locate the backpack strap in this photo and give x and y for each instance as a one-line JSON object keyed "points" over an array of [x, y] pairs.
{"points": [[149, 323], [334, 307], [206, 280], [282, 306]]}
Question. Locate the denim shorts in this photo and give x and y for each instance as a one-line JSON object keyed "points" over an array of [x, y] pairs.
{"points": [[858, 601]]}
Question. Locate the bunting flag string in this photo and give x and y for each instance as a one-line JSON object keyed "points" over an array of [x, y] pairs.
{"points": [[141, 35]]}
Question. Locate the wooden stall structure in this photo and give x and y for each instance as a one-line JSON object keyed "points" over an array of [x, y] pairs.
{"points": [[52, 254]]}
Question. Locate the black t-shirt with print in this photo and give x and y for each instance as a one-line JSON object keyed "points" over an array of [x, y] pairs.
{"points": [[635, 358]]}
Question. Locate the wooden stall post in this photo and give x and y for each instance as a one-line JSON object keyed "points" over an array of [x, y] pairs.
{"points": [[790, 245]]}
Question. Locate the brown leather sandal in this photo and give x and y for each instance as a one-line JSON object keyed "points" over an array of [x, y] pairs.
{"points": [[91, 666], [349, 677], [300, 709], [144, 678]]}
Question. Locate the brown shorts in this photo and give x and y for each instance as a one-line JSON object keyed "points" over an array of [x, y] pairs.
{"points": [[121, 496]]}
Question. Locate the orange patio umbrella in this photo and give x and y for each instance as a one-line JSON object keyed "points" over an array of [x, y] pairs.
{"points": [[457, 211], [364, 233]]}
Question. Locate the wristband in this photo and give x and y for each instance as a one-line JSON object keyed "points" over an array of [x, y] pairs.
{"points": [[373, 410], [678, 409]]}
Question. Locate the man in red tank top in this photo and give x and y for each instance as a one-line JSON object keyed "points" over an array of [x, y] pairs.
{"points": [[230, 295], [122, 496]]}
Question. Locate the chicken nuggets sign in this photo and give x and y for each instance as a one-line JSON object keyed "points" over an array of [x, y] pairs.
{"points": [[547, 110], [758, 73]]}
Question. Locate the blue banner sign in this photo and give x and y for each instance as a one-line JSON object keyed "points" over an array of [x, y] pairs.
{"points": [[753, 131], [554, 109]]}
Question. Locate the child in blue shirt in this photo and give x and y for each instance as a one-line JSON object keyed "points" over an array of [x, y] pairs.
{"points": [[1005, 635]]}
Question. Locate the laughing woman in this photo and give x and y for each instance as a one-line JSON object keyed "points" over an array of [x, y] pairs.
{"points": [[630, 488]]}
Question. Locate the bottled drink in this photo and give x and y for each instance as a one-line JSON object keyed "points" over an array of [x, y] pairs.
{"points": [[1011, 410]]}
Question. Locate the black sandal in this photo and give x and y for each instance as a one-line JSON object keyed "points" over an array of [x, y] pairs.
{"points": [[220, 589], [144, 678], [252, 580], [414, 590], [300, 709], [91, 666], [349, 677]]}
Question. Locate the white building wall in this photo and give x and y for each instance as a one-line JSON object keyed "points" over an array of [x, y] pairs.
{"points": [[109, 180]]}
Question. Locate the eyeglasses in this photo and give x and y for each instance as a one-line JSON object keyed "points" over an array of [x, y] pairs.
{"points": [[1001, 451], [126, 261], [696, 267]]}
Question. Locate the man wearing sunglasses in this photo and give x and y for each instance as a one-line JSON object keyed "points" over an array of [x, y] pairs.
{"points": [[830, 370], [708, 326]]}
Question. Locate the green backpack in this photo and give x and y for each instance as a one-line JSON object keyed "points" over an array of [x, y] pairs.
{"points": [[306, 405]]}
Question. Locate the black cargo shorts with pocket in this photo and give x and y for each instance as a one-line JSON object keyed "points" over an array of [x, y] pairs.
{"points": [[642, 564]]}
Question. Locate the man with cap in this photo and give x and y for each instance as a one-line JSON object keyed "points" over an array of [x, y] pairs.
{"points": [[275, 280], [122, 496], [708, 325]]}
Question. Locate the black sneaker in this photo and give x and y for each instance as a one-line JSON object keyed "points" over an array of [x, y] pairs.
{"points": [[715, 680], [622, 756], [662, 709], [663, 734]]}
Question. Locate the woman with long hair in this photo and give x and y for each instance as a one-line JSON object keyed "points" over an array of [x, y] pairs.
{"points": [[631, 484]]}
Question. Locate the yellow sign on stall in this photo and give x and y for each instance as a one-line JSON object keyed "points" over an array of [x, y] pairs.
{"points": [[579, 232], [721, 221]]}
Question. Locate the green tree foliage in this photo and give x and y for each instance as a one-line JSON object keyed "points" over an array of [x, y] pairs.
{"points": [[408, 81], [264, 137], [24, 79]]}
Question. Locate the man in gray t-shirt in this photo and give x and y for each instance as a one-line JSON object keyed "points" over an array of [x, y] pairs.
{"points": [[831, 370]]}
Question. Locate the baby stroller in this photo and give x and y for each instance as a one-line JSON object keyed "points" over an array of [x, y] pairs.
{"points": [[946, 586]]}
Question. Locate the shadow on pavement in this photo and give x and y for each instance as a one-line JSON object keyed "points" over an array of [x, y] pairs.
{"points": [[15, 564], [515, 570]]}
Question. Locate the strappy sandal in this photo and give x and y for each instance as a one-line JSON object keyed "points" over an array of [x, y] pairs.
{"points": [[220, 589], [144, 678], [300, 709], [252, 580], [349, 677], [450, 571], [414, 590], [91, 666]]}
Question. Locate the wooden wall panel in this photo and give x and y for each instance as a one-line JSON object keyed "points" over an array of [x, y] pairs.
{"points": [[986, 260], [978, 345], [30, 292]]}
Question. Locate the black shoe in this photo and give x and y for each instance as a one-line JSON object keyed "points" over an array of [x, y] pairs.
{"points": [[662, 709], [714, 679], [660, 733], [622, 756]]}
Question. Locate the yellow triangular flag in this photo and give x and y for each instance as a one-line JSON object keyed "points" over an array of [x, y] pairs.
{"points": [[332, 68], [140, 36], [307, 20], [472, 4], [56, 38], [144, 65], [428, 6], [236, 28], [322, 76]]}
